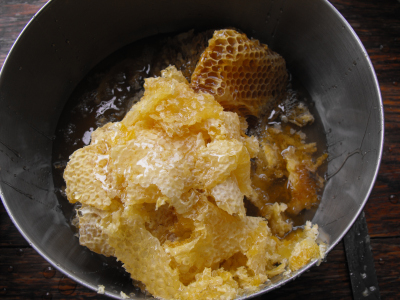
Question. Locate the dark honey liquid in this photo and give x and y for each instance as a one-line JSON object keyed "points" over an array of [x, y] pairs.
{"points": [[315, 133], [108, 92]]}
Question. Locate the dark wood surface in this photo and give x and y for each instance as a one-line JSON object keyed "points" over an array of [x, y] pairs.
{"points": [[24, 274]]}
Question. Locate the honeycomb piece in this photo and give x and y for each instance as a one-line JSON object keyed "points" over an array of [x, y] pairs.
{"points": [[252, 145], [101, 289], [185, 203], [281, 268], [276, 219], [92, 224], [248, 283], [307, 248], [299, 247], [235, 262], [304, 187], [257, 252], [154, 158], [298, 114], [228, 197], [286, 171], [273, 258], [242, 173], [171, 73], [218, 159], [86, 179], [217, 284], [217, 236], [109, 135], [143, 256], [227, 126], [169, 103], [163, 191], [232, 124], [136, 194], [303, 253], [243, 75], [166, 224]]}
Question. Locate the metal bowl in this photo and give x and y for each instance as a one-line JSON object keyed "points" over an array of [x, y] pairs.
{"points": [[67, 38]]}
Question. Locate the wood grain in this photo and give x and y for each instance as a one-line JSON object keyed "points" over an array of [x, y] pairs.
{"points": [[14, 15], [24, 274]]}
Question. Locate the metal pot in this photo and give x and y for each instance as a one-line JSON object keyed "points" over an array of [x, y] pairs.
{"points": [[67, 38]]}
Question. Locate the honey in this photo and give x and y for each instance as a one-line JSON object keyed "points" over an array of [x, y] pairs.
{"points": [[244, 75], [164, 189]]}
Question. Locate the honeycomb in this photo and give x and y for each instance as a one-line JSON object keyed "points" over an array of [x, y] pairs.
{"points": [[163, 191], [90, 186], [217, 237], [143, 256], [286, 160], [91, 230], [211, 284], [242, 74], [299, 247], [229, 197]]}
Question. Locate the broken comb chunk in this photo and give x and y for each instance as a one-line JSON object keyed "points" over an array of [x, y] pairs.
{"points": [[244, 75]]}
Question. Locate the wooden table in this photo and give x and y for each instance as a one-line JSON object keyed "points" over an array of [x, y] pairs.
{"points": [[24, 274]]}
